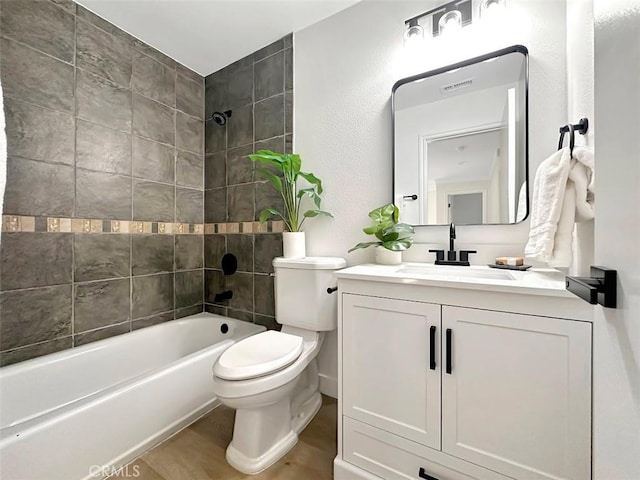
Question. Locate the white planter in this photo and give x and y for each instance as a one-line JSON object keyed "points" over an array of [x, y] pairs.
{"points": [[387, 257], [293, 245]]}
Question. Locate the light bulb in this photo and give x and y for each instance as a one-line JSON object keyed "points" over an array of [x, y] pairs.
{"points": [[414, 34], [490, 9], [450, 22]]}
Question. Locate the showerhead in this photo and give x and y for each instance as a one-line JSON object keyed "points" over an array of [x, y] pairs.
{"points": [[221, 117]]}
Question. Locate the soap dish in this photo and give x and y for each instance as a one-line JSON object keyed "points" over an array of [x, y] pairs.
{"points": [[510, 267]]}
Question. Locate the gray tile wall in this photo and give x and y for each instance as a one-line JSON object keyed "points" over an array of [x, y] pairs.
{"points": [[99, 125], [259, 91]]}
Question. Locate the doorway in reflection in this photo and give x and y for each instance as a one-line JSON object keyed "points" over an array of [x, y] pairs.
{"points": [[466, 209]]}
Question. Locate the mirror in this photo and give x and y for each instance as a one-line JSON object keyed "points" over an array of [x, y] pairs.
{"points": [[460, 142]]}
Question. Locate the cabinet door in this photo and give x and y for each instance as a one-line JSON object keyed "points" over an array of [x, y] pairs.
{"points": [[389, 378], [518, 398]]}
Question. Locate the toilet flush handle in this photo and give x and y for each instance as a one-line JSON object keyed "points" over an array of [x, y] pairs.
{"points": [[332, 289]]}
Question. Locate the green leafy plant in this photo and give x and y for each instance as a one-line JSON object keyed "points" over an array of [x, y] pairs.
{"points": [[287, 186], [390, 234]]}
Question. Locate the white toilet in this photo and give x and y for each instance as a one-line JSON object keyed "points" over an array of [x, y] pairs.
{"points": [[271, 379]]}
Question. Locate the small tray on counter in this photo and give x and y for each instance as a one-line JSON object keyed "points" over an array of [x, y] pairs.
{"points": [[510, 267]]}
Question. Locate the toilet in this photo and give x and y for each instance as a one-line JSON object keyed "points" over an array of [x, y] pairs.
{"points": [[271, 378]]}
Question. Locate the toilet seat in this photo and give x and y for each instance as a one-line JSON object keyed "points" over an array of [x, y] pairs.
{"points": [[258, 355]]}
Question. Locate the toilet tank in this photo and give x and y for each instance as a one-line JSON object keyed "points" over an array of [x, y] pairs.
{"points": [[301, 296]]}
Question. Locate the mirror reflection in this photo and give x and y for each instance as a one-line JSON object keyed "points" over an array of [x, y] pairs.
{"points": [[460, 142]]}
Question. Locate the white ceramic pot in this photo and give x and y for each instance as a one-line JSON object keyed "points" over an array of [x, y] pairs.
{"points": [[293, 245], [387, 257]]}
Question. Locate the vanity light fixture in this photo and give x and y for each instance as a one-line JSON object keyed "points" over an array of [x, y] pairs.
{"points": [[448, 18]]}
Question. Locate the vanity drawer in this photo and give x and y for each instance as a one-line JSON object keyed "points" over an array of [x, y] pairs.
{"points": [[395, 458]]}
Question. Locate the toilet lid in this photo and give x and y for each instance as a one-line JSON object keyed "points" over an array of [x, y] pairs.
{"points": [[258, 355]]}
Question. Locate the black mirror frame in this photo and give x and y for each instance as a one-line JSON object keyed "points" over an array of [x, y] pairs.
{"points": [[498, 53]]}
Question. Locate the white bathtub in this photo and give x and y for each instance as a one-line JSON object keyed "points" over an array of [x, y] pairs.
{"points": [[84, 412]]}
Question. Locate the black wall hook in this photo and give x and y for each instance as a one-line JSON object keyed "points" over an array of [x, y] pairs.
{"points": [[581, 127]]}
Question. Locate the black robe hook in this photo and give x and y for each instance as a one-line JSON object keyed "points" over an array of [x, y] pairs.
{"points": [[581, 127]]}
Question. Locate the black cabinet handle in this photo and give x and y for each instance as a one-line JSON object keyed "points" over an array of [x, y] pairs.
{"points": [[448, 340], [425, 475], [432, 347], [410, 197]]}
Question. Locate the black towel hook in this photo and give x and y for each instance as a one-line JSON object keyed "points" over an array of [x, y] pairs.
{"points": [[581, 127], [572, 139]]}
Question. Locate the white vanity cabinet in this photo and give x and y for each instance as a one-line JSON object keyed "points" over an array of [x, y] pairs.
{"points": [[517, 399], [390, 339], [442, 391]]}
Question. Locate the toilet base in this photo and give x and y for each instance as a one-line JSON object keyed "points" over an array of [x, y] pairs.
{"points": [[282, 430]]}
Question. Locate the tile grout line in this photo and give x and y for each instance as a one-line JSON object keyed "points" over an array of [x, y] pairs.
{"points": [[75, 179], [175, 174], [255, 189], [204, 179], [34, 49], [105, 172], [10, 350], [244, 145], [132, 153]]}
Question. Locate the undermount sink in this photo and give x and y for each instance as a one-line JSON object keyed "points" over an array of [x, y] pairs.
{"points": [[455, 272]]}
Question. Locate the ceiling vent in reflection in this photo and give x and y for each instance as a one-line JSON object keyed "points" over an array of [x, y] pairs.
{"points": [[452, 87]]}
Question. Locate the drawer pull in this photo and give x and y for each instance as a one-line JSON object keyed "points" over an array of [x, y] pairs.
{"points": [[425, 475], [432, 347], [448, 340]]}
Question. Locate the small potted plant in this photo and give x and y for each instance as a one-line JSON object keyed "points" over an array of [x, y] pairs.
{"points": [[286, 184], [393, 237]]}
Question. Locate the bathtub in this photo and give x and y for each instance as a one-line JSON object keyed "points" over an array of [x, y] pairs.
{"points": [[85, 412]]}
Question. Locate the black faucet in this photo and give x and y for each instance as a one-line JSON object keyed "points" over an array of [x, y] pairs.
{"points": [[452, 254]]}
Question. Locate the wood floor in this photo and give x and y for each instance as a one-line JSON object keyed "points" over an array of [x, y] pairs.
{"points": [[197, 452]]}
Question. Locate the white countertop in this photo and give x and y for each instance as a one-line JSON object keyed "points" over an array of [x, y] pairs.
{"points": [[535, 281]]}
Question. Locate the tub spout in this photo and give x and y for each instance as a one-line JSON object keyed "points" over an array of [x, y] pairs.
{"points": [[222, 296]]}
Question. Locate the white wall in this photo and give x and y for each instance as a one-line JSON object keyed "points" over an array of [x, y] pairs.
{"points": [[580, 98], [344, 68], [616, 333]]}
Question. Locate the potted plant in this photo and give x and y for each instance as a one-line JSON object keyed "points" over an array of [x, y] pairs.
{"points": [[393, 237], [283, 176]]}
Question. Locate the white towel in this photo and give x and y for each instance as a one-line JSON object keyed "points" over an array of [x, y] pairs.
{"points": [[562, 195]]}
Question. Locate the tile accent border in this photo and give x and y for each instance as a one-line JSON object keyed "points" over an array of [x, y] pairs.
{"points": [[17, 223]]}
